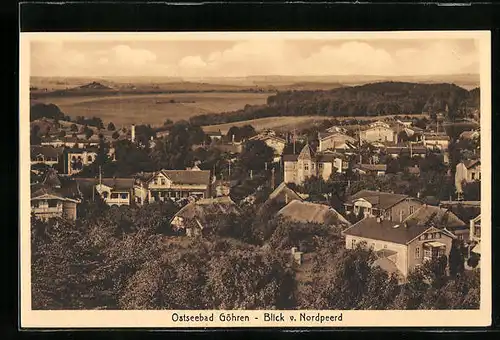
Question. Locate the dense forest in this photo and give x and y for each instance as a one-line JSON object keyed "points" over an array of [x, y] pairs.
{"points": [[396, 98]]}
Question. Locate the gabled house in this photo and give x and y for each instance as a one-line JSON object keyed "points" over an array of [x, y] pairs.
{"points": [[308, 164], [307, 212], [467, 171], [194, 217], [389, 206], [46, 155], [334, 141], [176, 184], [54, 199], [282, 195], [399, 247], [379, 132]]}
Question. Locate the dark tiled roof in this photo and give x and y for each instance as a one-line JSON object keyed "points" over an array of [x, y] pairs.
{"points": [[440, 217], [384, 230], [379, 199], [115, 183], [290, 158], [188, 176]]}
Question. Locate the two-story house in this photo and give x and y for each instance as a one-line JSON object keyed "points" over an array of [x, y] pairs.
{"points": [[297, 168], [399, 247], [176, 184], [379, 132], [467, 171], [392, 207], [54, 199]]}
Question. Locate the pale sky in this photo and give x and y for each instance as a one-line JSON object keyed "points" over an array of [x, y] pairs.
{"points": [[219, 58]]}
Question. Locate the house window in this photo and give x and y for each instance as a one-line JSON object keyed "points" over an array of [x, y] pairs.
{"points": [[114, 195], [385, 246], [163, 181], [124, 196], [52, 203], [320, 165], [306, 167], [412, 209], [89, 158], [460, 236], [353, 244], [473, 175], [139, 200], [417, 252], [105, 195], [36, 204]]}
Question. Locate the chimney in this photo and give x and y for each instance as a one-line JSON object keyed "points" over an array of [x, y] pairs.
{"points": [[132, 133]]}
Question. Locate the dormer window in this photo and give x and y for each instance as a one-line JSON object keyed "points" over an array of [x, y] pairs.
{"points": [[163, 181]]}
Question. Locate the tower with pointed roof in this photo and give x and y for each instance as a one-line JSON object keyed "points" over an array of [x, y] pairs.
{"points": [[306, 165]]}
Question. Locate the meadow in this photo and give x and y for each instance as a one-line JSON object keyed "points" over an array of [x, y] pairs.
{"points": [[292, 122], [154, 109]]}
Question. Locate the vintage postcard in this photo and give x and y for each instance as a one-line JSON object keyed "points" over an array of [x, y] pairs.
{"points": [[255, 179]]}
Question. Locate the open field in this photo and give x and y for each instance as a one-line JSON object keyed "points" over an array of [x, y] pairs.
{"points": [[289, 123], [153, 109]]}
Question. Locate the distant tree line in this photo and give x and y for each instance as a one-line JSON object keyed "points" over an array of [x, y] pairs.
{"points": [[386, 98]]}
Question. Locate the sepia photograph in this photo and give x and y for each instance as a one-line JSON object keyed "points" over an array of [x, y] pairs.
{"points": [[324, 179]]}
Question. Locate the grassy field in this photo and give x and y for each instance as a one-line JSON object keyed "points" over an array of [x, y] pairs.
{"points": [[289, 123], [153, 109]]}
